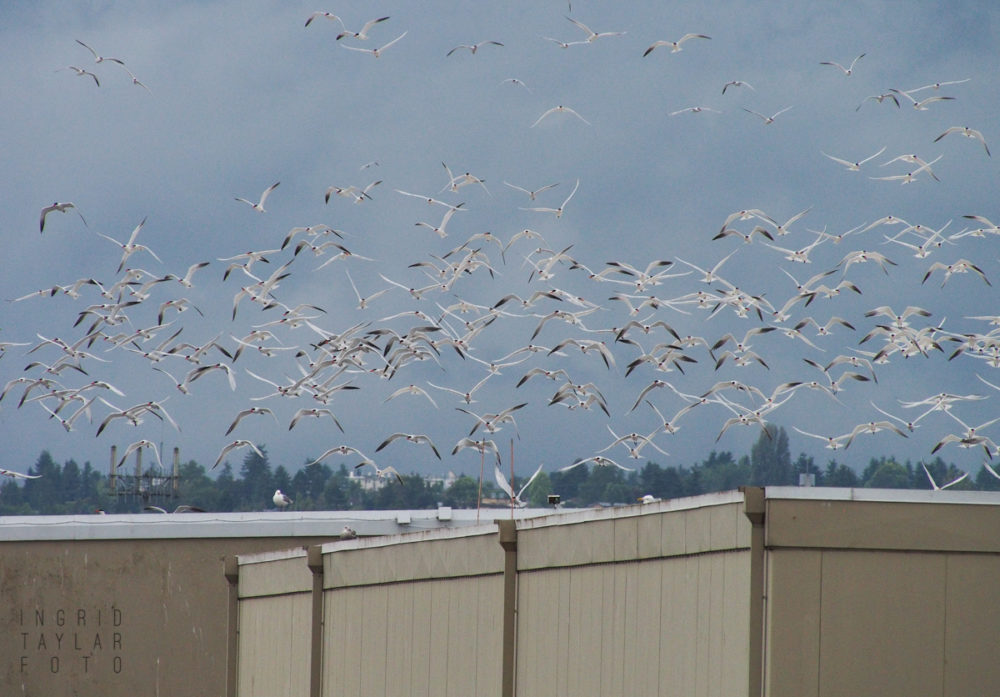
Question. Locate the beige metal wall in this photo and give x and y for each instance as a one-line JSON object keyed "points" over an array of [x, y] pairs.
{"points": [[651, 604], [413, 617], [649, 600], [276, 609], [882, 598], [784, 592], [123, 617]]}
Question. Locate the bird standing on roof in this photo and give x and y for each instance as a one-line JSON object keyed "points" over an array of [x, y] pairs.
{"points": [[281, 500]]}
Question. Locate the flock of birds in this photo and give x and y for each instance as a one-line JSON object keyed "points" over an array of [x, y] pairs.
{"points": [[486, 328]]}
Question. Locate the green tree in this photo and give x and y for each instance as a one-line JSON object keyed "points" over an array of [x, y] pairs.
{"points": [[462, 493], [341, 493], [258, 480], [837, 474], [537, 495], [662, 482], [567, 484], [720, 473], [889, 474], [46, 493], [770, 460], [601, 485], [197, 488]]}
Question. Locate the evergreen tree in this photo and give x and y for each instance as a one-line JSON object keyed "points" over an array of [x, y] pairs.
{"points": [[462, 493], [46, 493], [887, 474], [838, 475], [258, 481], [720, 473], [567, 484], [602, 485], [537, 495], [664, 483], [770, 460]]}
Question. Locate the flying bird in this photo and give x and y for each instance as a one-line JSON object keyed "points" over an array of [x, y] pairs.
{"points": [[233, 446], [381, 472], [249, 412], [849, 70], [98, 58], [598, 460], [60, 207], [139, 445], [675, 46], [327, 15], [80, 72], [474, 47], [315, 413], [737, 83], [135, 80], [377, 52], [564, 44], [531, 194], [934, 485], [412, 438], [129, 248], [853, 166], [259, 206], [879, 98], [17, 475], [343, 450], [363, 34], [921, 104], [768, 120], [501, 480], [694, 110], [558, 211], [592, 35], [968, 133], [562, 110]]}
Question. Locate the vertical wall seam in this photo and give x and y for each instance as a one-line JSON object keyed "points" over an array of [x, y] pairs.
{"points": [[315, 563], [507, 535], [754, 507], [231, 569]]}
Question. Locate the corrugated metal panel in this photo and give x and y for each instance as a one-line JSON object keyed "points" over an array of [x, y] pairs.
{"points": [[408, 558], [399, 640], [882, 620], [420, 638], [375, 660], [849, 622], [647, 532], [277, 576], [275, 638], [793, 624], [883, 525], [972, 625], [667, 627]]}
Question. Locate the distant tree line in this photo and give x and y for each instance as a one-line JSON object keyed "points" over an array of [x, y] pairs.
{"points": [[72, 489]]}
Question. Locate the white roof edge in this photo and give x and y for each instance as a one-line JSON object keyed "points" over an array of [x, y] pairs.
{"points": [[819, 493], [486, 526], [275, 555], [581, 515], [234, 525]]}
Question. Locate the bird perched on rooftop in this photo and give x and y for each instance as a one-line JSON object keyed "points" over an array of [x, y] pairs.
{"points": [[281, 500]]}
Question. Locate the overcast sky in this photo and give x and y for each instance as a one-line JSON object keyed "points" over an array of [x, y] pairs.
{"points": [[236, 96]]}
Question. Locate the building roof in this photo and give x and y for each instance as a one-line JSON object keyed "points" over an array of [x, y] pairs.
{"points": [[255, 524]]}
